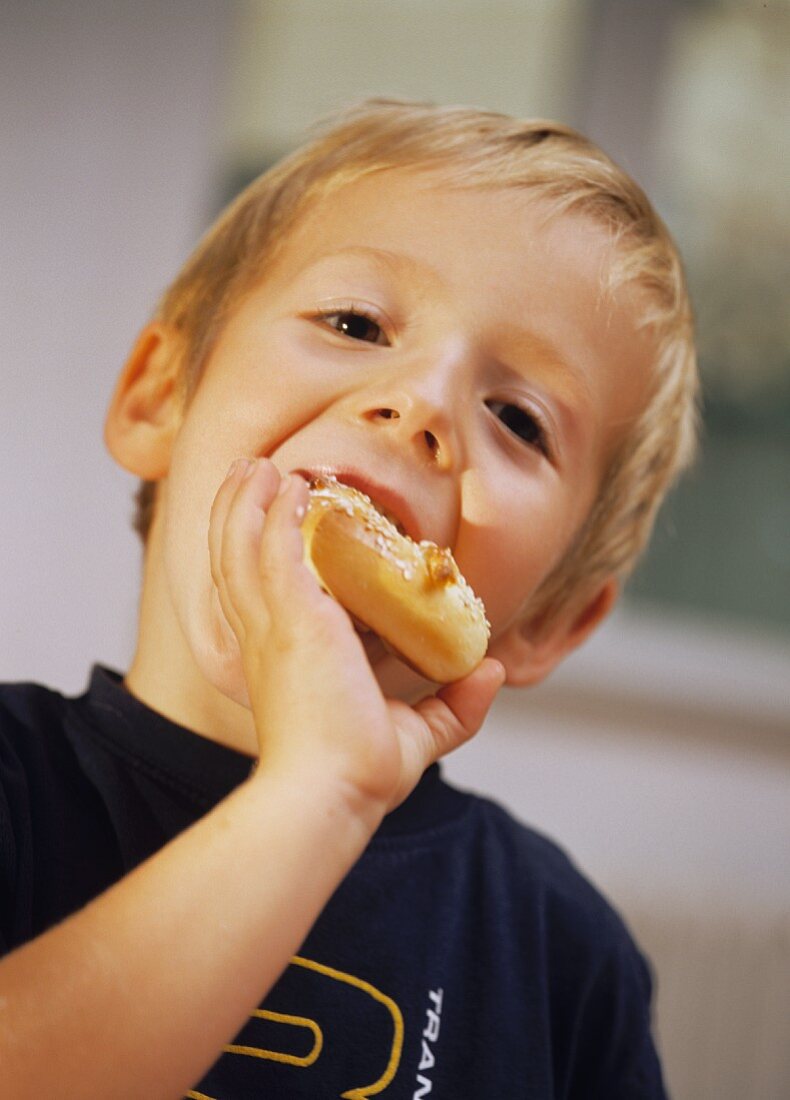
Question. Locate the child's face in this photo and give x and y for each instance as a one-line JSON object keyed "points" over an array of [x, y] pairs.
{"points": [[448, 352]]}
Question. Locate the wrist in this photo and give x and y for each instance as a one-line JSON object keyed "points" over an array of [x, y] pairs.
{"points": [[316, 792]]}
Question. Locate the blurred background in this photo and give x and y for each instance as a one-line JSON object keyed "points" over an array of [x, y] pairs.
{"points": [[659, 755]]}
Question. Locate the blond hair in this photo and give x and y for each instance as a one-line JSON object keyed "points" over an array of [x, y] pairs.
{"points": [[471, 148]]}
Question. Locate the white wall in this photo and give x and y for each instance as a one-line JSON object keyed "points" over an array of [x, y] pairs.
{"points": [[296, 61], [109, 131]]}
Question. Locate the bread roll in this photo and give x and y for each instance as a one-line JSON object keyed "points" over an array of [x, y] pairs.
{"points": [[410, 594]]}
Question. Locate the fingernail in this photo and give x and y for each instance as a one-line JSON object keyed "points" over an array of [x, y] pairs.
{"points": [[284, 485], [252, 466], [232, 469]]}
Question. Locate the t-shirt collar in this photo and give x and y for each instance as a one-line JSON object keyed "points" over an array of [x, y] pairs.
{"points": [[213, 770]]}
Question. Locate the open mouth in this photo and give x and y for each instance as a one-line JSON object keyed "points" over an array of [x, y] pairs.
{"points": [[361, 487], [388, 515]]}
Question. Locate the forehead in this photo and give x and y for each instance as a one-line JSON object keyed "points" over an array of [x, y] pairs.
{"points": [[508, 241], [428, 215], [501, 258]]}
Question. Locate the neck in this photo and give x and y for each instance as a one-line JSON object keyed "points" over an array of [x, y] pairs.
{"points": [[165, 676]]}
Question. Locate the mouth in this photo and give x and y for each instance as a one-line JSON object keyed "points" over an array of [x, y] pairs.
{"points": [[387, 501]]}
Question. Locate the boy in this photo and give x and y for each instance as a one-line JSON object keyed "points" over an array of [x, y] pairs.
{"points": [[482, 323]]}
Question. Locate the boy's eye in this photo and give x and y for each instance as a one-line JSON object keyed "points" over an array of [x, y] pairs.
{"points": [[355, 325], [521, 423]]}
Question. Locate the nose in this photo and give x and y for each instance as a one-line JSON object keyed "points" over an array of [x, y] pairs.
{"points": [[424, 438], [419, 413]]}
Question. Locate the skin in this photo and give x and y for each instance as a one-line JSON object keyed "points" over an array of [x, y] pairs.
{"points": [[511, 313], [238, 643]]}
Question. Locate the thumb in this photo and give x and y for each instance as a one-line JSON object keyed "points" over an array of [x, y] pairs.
{"points": [[458, 710]]}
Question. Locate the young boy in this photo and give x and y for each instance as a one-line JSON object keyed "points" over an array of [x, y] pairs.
{"points": [[480, 322]]}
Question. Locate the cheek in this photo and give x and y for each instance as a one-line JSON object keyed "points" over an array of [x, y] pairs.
{"points": [[511, 543], [191, 592], [201, 455]]}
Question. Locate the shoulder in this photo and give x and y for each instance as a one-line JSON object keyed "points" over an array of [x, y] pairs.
{"points": [[31, 723], [32, 745], [28, 706], [540, 894], [597, 983], [29, 715], [529, 862], [40, 775], [58, 848]]}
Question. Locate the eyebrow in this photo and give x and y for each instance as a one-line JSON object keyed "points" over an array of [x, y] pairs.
{"points": [[549, 357], [397, 262]]}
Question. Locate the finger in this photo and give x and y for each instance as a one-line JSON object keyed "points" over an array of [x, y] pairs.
{"points": [[298, 605], [219, 511], [281, 555], [216, 527], [457, 711], [241, 536]]}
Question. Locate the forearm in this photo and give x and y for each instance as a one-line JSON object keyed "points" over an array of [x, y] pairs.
{"points": [[137, 994]]}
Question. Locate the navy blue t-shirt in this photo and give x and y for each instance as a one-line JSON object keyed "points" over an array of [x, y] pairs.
{"points": [[462, 957]]}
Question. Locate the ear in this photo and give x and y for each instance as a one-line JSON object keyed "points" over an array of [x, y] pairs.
{"points": [[144, 412], [530, 651]]}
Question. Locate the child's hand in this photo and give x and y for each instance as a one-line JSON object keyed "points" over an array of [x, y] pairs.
{"points": [[318, 709]]}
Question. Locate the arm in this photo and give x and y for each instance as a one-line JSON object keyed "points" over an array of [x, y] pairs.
{"points": [[137, 993]]}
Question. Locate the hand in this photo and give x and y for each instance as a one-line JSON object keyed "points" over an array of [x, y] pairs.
{"points": [[318, 709]]}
